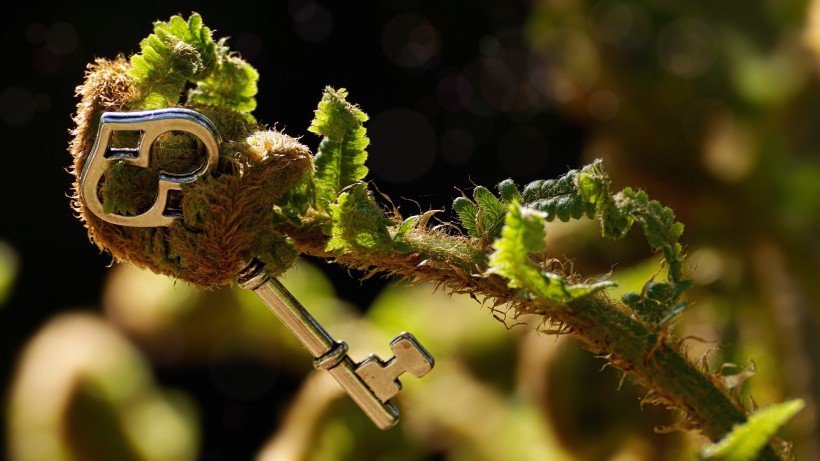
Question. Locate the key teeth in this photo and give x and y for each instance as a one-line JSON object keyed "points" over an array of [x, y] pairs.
{"points": [[382, 377], [407, 337]]}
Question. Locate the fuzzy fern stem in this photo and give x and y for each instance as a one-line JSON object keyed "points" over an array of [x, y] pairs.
{"points": [[602, 325], [270, 198]]}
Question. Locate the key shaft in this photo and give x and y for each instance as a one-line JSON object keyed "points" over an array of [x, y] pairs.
{"points": [[328, 353]]}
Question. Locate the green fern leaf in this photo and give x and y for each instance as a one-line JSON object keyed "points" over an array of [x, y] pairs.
{"points": [[467, 212], [405, 227], [509, 193], [523, 233], [659, 302], [358, 223], [232, 84], [490, 216], [658, 222], [177, 52], [294, 203], [341, 155], [746, 440], [484, 217], [398, 238], [572, 196]]}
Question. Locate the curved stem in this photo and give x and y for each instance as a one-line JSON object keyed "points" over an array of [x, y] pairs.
{"points": [[601, 324]]}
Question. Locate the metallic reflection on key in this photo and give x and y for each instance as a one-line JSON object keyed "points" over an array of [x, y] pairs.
{"points": [[364, 383], [370, 384]]}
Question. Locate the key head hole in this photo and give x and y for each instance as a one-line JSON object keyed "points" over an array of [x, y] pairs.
{"points": [[127, 189], [124, 144], [178, 153]]}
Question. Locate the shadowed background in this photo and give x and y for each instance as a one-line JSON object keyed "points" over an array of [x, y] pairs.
{"points": [[711, 110]]}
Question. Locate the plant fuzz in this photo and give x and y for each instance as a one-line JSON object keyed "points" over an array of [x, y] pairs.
{"points": [[270, 198]]}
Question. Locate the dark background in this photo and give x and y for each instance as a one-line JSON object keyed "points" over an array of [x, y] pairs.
{"points": [[343, 44]]}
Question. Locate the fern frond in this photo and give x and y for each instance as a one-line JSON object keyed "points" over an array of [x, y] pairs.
{"points": [[358, 222], [661, 229], [179, 52], [341, 154], [232, 84], [748, 439], [523, 233], [565, 198]]}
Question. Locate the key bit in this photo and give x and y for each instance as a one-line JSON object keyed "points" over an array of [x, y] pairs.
{"points": [[383, 377], [370, 384], [330, 355]]}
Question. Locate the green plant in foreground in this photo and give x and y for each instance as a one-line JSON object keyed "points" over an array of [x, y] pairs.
{"points": [[322, 206]]}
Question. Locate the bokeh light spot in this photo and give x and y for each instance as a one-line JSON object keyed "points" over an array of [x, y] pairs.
{"points": [[603, 105], [498, 84], [456, 146], [403, 145], [454, 92], [45, 61], [410, 41], [16, 106], [301, 10], [610, 21], [523, 151], [489, 45], [687, 47], [698, 118], [317, 27], [62, 38]]}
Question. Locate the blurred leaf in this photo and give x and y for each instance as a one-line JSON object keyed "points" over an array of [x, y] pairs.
{"points": [[100, 393], [8, 270], [746, 440]]}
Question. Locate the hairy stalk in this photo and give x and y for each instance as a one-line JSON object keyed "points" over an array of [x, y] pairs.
{"points": [[602, 325], [272, 199]]}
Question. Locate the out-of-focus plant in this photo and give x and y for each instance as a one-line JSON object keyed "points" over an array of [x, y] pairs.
{"points": [[8, 270], [713, 109], [82, 392], [321, 206]]}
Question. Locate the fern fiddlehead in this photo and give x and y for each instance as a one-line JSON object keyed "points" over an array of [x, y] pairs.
{"points": [[271, 197]]}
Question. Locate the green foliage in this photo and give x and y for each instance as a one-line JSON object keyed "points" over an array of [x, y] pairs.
{"points": [[483, 217], [575, 195], [658, 304], [129, 190], [585, 193], [232, 84], [276, 251], [8, 270], [294, 204], [358, 223], [571, 196], [658, 222], [341, 154], [179, 52], [523, 233], [748, 439], [508, 191], [406, 226], [467, 212]]}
